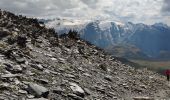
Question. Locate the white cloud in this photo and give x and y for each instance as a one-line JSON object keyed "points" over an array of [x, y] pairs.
{"points": [[146, 11]]}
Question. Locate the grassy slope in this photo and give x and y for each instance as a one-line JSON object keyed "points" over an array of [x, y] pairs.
{"points": [[158, 66]]}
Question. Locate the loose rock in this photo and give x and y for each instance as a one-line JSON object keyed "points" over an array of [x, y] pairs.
{"points": [[39, 91]]}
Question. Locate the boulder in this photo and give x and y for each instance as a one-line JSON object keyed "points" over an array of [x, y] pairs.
{"points": [[77, 89], [38, 90]]}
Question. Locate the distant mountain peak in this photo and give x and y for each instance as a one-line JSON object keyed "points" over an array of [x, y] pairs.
{"points": [[150, 39], [161, 25]]}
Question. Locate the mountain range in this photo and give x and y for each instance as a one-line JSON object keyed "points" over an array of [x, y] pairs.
{"points": [[127, 40]]}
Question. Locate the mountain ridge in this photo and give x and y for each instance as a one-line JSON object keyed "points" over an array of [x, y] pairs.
{"points": [[150, 39]]}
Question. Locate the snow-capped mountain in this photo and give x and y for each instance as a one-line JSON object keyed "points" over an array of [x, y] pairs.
{"points": [[149, 40], [64, 25]]}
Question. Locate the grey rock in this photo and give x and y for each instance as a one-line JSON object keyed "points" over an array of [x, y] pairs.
{"points": [[28, 72], [69, 76], [143, 98], [143, 86], [42, 81], [4, 86], [38, 90], [54, 59], [75, 97], [17, 81], [86, 74], [100, 89], [14, 68], [38, 99], [53, 72], [87, 91], [61, 60], [17, 68], [108, 78], [103, 67], [57, 90], [22, 92], [3, 97], [10, 75], [20, 60], [30, 96], [4, 32], [37, 66], [77, 89]]}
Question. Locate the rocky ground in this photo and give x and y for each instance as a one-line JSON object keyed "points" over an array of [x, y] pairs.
{"points": [[35, 64]]}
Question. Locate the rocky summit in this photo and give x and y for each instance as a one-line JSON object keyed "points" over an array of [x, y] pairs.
{"points": [[36, 64]]}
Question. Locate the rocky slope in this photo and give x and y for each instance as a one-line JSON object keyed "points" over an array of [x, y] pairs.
{"points": [[37, 65]]}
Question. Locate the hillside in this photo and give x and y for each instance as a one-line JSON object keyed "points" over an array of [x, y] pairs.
{"points": [[35, 63]]}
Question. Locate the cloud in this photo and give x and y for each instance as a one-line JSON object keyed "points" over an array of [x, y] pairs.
{"points": [[166, 7], [124, 10], [90, 3]]}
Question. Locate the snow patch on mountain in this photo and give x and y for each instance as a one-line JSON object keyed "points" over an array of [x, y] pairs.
{"points": [[64, 25]]}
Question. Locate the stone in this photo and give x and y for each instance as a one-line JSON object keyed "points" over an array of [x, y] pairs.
{"points": [[4, 32], [42, 81], [87, 91], [38, 99], [143, 98], [28, 72], [108, 78], [20, 60], [143, 86], [57, 90], [30, 96], [14, 68], [17, 69], [77, 89], [86, 74], [10, 75], [17, 81], [100, 89], [75, 97], [69, 76], [22, 92], [103, 67], [4, 86], [22, 40], [75, 51], [49, 55], [53, 72], [38, 90], [37, 66], [61, 60], [3, 97], [53, 59]]}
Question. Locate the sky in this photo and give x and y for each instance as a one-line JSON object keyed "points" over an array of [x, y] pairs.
{"points": [[137, 11]]}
